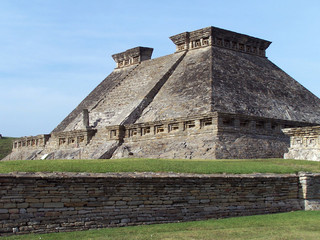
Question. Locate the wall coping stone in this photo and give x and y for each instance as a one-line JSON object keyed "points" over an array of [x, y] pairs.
{"points": [[146, 175]]}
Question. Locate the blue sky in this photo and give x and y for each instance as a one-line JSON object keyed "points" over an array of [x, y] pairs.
{"points": [[53, 53]]}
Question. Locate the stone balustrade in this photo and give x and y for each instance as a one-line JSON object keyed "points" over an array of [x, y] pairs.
{"points": [[218, 122], [213, 36], [216, 125], [132, 56], [38, 141], [76, 138], [68, 139]]}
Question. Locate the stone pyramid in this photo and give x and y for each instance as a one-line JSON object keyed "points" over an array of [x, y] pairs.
{"points": [[217, 96]]}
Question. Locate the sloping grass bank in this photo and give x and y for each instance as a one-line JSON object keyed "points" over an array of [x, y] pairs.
{"points": [[284, 226], [238, 166], [5, 146]]}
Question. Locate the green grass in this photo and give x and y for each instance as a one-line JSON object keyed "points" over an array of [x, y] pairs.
{"points": [[5, 146], [238, 166], [294, 225]]}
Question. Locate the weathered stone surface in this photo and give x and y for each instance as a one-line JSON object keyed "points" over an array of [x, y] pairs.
{"points": [[207, 136], [255, 86], [304, 143], [118, 103], [132, 56], [188, 91]]}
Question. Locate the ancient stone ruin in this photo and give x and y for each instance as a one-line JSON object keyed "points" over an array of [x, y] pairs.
{"points": [[218, 96], [304, 143]]}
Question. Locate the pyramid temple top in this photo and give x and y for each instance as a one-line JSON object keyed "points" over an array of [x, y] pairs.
{"points": [[209, 36], [213, 36]]}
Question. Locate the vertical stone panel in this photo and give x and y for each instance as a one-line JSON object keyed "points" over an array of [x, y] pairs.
{"points": [[310, 190]]}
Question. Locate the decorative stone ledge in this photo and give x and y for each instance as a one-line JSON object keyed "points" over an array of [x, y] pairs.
{"points": [[74, 138], [304, 143], [215, 122], [215, 125], [213, 36], [38, 141], [132, 56]]}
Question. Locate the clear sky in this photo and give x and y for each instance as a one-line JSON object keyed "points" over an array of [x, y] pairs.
{"points": [[53, 53]]}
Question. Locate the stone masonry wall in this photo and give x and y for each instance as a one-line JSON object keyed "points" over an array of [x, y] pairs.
{"points": [[43, 202], [230, 145]]}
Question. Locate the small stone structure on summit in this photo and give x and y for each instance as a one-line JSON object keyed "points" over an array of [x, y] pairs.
{"points": [[217, 97]]}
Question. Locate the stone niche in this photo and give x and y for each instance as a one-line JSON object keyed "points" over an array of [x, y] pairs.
{"points": [[304, 143], [72, 139], [132, 56], [213, 36]]}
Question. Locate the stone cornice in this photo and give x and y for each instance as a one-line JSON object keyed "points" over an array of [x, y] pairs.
{"points": [[213, 36]]}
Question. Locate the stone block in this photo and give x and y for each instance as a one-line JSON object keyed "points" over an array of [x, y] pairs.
{"points": [[84, 211], [14, 210], [10, 205], [4, 211], [75, 204], [52, 214], [36, 205], [22, 210], [32, 200], [4, 216], [120, 203], [53, 205], [31, 210], [94, 204]]}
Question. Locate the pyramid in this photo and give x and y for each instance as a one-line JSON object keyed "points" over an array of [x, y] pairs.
{"points": [[218, 96]]}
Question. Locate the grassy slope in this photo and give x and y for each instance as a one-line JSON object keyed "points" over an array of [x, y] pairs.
{"points": [[5, 146], [162, 165], [294, 225]]}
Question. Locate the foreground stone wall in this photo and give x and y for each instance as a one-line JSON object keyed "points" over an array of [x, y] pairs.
{"points": [[310, 184], [43, 202]]}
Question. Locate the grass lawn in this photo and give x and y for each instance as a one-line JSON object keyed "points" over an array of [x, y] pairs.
{"points": [[5, 146], [240, 166], [294, 225]]}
